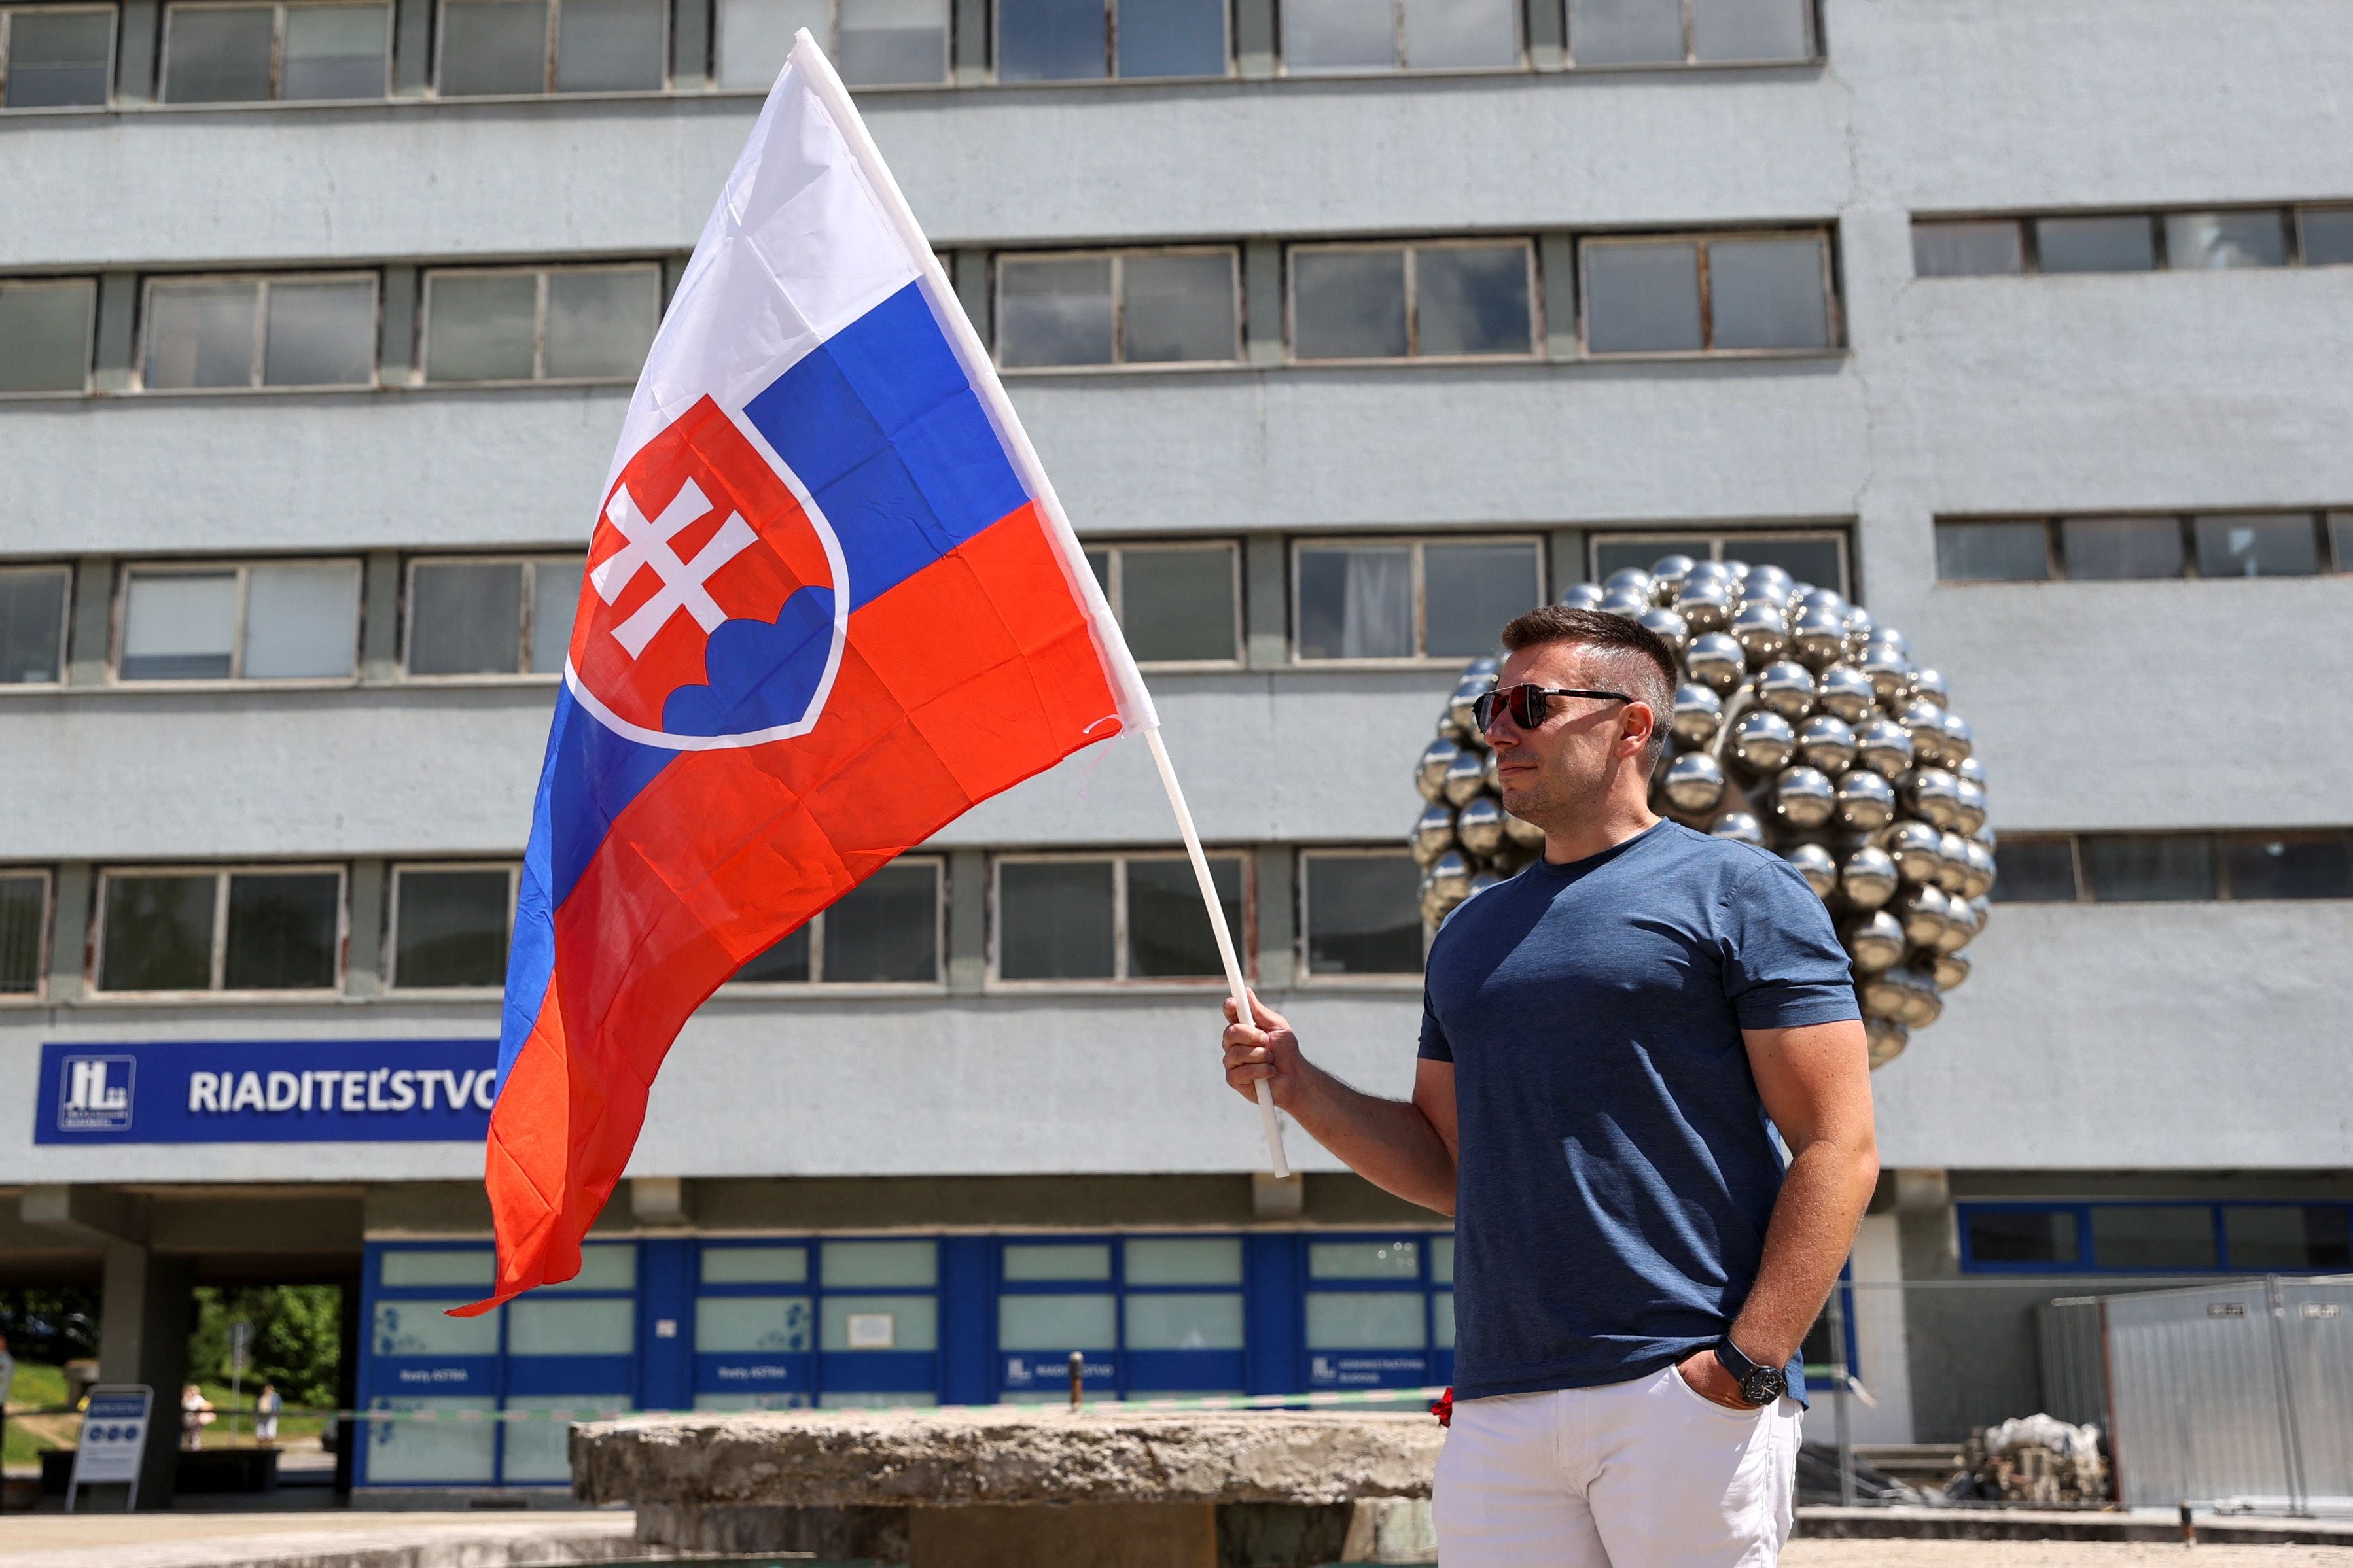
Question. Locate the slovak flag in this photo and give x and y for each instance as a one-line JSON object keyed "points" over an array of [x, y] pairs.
{"points": [[831, 603]]}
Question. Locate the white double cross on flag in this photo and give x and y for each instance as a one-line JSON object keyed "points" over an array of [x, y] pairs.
{"points": [[683, 583]]}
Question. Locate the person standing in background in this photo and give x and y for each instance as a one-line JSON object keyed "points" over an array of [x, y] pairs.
{"points": [[266, 1406]]}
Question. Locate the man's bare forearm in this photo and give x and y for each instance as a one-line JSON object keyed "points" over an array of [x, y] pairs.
{"points": [[1390, 1143], [1813, 1230]]}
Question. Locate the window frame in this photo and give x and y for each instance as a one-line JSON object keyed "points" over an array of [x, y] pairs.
{"points": [[1423, 1283], [65, 620], [276, 51], [1412, 249], [388, 964], [44, 953], [1399, 65], [1416, 543], [1720, 543], [2290, 214], [1833, 309], [1304, 971], [221, 875], [2081, 1210], [257, 366], [1118, 259], [2332, 562], [1111, 50], [1815, 55], [89, 321], [2077, 880], [550, 46], [2218, 846], [1245, 938], [1114, 592], [529, 561], [185, 566], [540, 274], [816, 984], [113, 52]]}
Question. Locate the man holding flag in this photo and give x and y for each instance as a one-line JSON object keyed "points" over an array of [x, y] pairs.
{"points": [[831, 603]]}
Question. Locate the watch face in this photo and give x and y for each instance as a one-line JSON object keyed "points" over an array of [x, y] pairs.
{"points": [[1764, 1385]]}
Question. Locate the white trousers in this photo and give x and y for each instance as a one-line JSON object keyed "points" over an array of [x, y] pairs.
{"points": [[1645, 1474]]}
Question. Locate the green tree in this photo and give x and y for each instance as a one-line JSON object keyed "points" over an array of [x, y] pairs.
{"points": [[297, 1338]]}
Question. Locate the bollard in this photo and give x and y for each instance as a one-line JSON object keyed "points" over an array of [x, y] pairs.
{"points": [[2188, 1527], [1078, 1378]]}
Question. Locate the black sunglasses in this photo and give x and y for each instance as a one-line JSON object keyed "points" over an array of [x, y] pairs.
{"points": [[1528, 704]]}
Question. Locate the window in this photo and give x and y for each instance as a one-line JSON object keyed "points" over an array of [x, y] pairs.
{"points": [[1993, 551], [1748, 294], [1453, 301], [408, 1322], [2035, 872], [450, 925], [2209, 241], [876, 43], [212, 332], [1668, 32], [1112, 918], [2001, 1234], [44, 333], [33, 625], [1146, 1315], [55, 57], [574, 1345], [1086, 40], [1176, 604], [2306, 865], [2131, 242], [1968, 248], [2121, 548], [251, 54], [512, 47], [571, 323], [2153, 1236], [2290, 1238], [1368, 1307], [23, 928], [1164, 307], [2257, 545], [2126, 243], [2148, 868], [482, 616], [2162, 1238], [1321, 35], [1409, 599], [263, 928], [290, 621], [1359, 912], [1819, 557], [883, 932], [2324, 235], [878, 1323]]}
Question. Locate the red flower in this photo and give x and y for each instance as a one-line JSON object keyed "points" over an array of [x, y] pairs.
{"points": [[1444, 1408]]}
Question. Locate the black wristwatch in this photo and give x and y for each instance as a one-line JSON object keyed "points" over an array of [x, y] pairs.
{"points": [[1760, 1386]]}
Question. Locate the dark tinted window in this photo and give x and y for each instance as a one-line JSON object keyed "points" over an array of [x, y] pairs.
{"points": [[2148, 868], [1172, 37], [2290, 864], [1168, 934], [32, 626], [283, 931], [2327, 235], [2126, 244], [1054, 920], [2153, 1236], [1993, 551], [2035, 871], [2021, 1235], [2257, 545], [23, 901], [2109, 548], [1361, 914], [451, 927], [787, 960], [2289, 1237], [886, 930], [59, 58], [158, 933]]}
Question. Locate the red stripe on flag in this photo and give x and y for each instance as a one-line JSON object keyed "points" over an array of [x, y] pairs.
{"points": [[967, 677]]}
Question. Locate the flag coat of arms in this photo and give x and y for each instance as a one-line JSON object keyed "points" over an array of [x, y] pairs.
{"points": [[831, 604]]}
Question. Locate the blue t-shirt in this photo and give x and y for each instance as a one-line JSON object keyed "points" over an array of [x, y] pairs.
{"points": [[1618, 1168]]}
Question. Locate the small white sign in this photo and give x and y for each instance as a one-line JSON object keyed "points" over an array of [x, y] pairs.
{"points": [[665, 1328], [113, 1438], [873, 1330]]}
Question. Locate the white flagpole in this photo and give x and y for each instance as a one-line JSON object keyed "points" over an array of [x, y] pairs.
{"points": [[1136, 707]]}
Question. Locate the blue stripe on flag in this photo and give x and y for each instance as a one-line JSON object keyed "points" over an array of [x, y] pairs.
{"points": [[889, 436]]}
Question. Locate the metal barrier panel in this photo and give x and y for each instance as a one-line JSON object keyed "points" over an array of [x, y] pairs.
{"points": [[2194, 1382], [2316, 1330], [2073, 1357]]}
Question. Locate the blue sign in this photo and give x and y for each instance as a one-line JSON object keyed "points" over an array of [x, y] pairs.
{"points": [[267, 1091]]}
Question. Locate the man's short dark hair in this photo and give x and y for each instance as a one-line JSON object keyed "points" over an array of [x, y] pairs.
{"points": [[1639, 658]]}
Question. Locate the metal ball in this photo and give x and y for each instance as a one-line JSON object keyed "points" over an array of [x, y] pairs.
{"points": [[1699, 713], [1429, 772], [1885, 748], [1671, 627], [1583, 596], [1787, 687], [1761, 630], [1866, 802], [1769, 580], [1983, 910], [1917, 848], [1924, 722], [1481, 828], [1859, 623], [1739, 570], [1971, 768], [1694, 782], [1458, 706], [1741, 827], [1521, 832], [1929, 686], [1825, 599], [1627, 580], [1466, 778], [1715, 660], [1449, 875], [1887, 1039], [1868, 878], [1889, 671], [1623, 602], [1818, 639], [1798, 589], [1876, 941], [1953, 876], [1492, 774], [1481, 883], [1827, 744], [1948, 970], [1961, 925], [1716, 570], [1895, 638], [1884, 996], [1667, 577], [1925, 912], [1706, 604], [1803, 797], [1978, 882], [1932, 795], [1959, 739], [1762, 742], [1454, 732], [1844, 691], [1432, 835], [1816, 866], [1922, 1005]]}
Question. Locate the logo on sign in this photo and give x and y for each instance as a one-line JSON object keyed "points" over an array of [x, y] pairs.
{"points": [[717, 599], [94, 1094]]}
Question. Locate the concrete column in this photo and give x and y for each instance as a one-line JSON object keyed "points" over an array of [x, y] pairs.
{"points": [[135, 50], [396, 350], [1556, 265], [69, 925], [969, 268], [1263, 301], [1564, 559], [968, 921], [380, 616], [1266, 602], [92, 633], [971, 42], [364, 963], [1255, 46], [147, 1314], [1548, 35], [117, 339], [690, 44], [1278, 904], [412, 48]]}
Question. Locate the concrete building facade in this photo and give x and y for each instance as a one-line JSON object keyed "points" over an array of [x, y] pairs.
{"points": [[316, 326]]}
